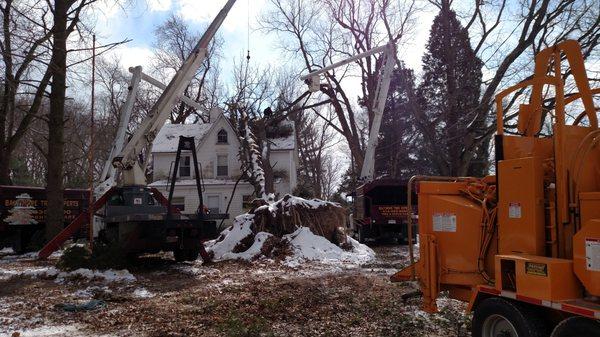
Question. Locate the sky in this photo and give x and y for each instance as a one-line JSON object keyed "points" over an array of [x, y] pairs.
{"points": [[137, 21]]}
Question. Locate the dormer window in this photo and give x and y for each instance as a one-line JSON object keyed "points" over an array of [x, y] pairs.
{"points": [[222, 137]]}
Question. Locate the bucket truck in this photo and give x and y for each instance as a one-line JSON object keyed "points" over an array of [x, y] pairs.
{"points": [[140, 219], [379, 204]]}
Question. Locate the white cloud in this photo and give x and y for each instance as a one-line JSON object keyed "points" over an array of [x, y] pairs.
{"points": [[159, 5], [107, 9], [134, 56], [207, 10]]}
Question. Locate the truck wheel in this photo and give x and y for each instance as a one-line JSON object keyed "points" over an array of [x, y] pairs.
{"points": [[361, 235], [20, 241], [180, 254], [497, 317], [192, 255], [577, 327]]}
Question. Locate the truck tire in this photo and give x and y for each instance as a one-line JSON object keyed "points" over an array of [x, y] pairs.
{"points": [[361, 234], [192, 254], [180, 254], [499, 317], [577, 326]]}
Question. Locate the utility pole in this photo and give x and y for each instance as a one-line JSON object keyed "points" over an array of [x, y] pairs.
{"points": [[91, 149]]}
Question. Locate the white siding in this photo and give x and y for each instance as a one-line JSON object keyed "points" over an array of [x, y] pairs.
{"points": [[208, 150], [222, 191]]}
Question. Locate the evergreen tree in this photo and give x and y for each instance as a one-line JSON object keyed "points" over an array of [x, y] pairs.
{"points": [[397, 154], [449, 98]]}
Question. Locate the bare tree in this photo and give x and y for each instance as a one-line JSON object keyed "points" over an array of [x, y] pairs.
{"points": [[67, 17], [316, 141], [324, 33], [24, 49], [174, 41]]}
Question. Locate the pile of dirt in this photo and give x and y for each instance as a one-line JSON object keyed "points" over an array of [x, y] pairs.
{"points": [[292, 230]]}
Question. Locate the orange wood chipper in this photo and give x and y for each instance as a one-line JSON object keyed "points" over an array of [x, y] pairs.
{"points": [[522, 247]]}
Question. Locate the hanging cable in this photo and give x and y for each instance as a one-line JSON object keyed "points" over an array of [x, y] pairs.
{"points": [[248, 33]]}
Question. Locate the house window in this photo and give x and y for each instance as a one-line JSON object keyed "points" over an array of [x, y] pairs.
{"points": [[185, 169], [213, 204], [179, 203], [222, 137], [222, 167]]}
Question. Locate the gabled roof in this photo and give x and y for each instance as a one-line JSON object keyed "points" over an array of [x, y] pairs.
{"points": [[167, 139]]}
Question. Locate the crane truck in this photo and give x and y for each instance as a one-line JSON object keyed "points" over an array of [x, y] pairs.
{"points": [[137, 217], [379, 204], [522, 247]]}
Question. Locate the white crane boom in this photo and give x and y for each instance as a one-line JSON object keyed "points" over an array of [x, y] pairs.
{"points": [[108, 176], [185, 99], [367, 172], [383, 85], [128, 160]]}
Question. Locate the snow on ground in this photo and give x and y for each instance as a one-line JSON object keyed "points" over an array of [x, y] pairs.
{"points": [[108, 276], [232, 236], [304, 244], [142, 293], [33, 272], [89, 292], [252, 252], [22, 257], [7, 251], [72, 330], [346, 298], [52, 331], [307, 246], [48, 272]]}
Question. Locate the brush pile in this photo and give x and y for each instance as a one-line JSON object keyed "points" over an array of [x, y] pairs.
{"points": [[292, 230]]}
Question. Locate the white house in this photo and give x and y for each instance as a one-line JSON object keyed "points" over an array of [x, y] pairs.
{"points": [[217, 148]]}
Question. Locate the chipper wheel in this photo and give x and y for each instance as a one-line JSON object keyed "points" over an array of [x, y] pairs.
{"points": [[497, 317], [577, 327]]}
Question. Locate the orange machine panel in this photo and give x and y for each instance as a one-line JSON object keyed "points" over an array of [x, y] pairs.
{"points": [[455, 223], [537, 277], [515, 147], [589, 203], [521, 226], [586, 256]]}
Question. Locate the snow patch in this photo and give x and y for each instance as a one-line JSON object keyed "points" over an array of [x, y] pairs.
{"points": [[7, 251], [289, 201], [231, 237], [167, 139], [142, 293], [253, 251], [89, 292], [307, 246], [52, 331], [33, 272], [108, 276]]}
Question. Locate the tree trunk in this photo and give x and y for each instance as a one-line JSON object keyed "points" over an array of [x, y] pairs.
{"points": [[261, 132], [8, 103], [54, 178]]}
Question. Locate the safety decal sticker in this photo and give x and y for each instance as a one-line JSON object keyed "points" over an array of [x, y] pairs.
{"points": [[514, 210], [592, 254], [444, 222], [534, 268]]}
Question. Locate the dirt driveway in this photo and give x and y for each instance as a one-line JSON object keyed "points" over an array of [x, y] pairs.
{"points": [[223, 299]]}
